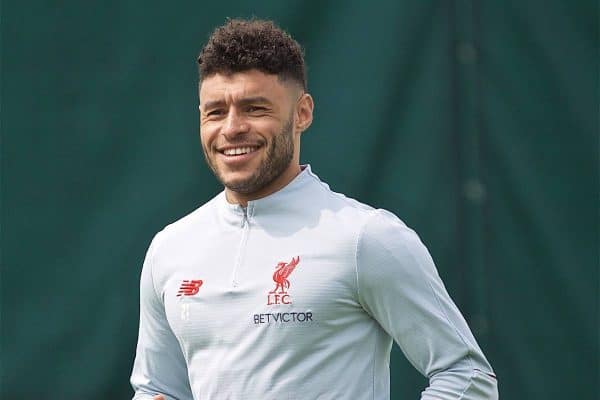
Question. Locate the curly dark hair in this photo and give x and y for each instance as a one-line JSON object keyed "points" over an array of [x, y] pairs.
{"points": [[241, 45]]}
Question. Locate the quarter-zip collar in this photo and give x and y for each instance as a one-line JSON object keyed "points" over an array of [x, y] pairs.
{"points": [[285, 198]]}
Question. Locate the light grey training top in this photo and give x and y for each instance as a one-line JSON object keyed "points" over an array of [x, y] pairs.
{"points": [[298, 296]]}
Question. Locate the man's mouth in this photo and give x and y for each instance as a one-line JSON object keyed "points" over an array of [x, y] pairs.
{"points": [[238, 151]]}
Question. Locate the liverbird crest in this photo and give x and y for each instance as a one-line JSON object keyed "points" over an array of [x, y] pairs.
{"points": [[280, 277]]}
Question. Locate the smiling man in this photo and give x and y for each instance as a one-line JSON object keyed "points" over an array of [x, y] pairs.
{"points": [[279, 288], [250, 124]]}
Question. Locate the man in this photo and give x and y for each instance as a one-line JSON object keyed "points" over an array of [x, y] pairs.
{"points": [[279, 288]]}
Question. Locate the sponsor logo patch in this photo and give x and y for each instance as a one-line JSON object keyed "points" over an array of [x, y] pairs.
{"points": [[189, 287], [283, 317]]}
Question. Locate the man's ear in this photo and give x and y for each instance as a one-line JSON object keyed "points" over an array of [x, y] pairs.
{"points": [[304, 112]]}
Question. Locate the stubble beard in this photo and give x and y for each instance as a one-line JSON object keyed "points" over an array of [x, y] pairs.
{"points": [[280, 153]]}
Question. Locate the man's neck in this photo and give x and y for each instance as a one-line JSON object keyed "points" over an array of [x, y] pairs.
{"points": [[279, 183]]}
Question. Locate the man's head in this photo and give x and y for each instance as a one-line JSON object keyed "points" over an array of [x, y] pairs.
{"points": [[253, 107]]}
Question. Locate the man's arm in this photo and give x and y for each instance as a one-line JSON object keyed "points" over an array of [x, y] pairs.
{"points": [[399, 286], [159, 366]]}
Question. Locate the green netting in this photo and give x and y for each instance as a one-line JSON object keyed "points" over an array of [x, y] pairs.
{"points": [[475, 122]]}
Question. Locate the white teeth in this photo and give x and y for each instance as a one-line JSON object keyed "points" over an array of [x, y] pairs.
{"points": [[238, 150]]}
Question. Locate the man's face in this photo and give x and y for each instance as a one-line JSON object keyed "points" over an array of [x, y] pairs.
{"points": [[247, 128]]}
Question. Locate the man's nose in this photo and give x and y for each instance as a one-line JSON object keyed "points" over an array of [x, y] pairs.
{"points": [[235, 124]]}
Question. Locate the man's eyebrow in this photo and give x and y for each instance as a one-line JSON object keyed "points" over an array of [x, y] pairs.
{"points": [[213, 104], [242, 102], [254, 100]]}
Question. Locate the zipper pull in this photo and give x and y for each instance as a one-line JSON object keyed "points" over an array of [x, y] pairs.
{"points": [[245, 219]]}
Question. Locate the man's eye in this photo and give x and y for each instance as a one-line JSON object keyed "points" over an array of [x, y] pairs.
{"points": [[255, 109], [214, 113]]}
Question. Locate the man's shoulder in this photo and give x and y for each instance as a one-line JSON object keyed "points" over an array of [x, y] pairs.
{"points": [[347, 214], [373, 228], [324, 196], [372, 221], [192, 223]]}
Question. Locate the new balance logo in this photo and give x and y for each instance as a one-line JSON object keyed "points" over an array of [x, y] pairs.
{"points": [[189, 288]]}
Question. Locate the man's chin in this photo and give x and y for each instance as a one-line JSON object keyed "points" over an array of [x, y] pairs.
{"points": [[241, 185]]}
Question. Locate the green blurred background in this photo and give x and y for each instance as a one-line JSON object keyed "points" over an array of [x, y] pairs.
{"points": [[475, 121]]}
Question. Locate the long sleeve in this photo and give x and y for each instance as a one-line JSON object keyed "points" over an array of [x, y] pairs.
{"points": [[399, 286], [159, 366]]}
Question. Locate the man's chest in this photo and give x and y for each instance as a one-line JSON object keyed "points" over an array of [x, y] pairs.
{"points": [[255, 284]]}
